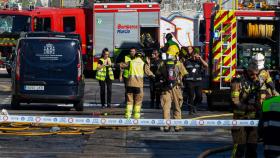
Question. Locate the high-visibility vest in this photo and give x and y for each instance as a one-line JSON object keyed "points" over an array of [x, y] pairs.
{"points": [[271, 126], [125, 71], [136, 68], [101, 74]]}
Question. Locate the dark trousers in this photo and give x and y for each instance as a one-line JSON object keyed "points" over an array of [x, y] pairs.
{"points": [[102, 85], [125, 80], [155, 95], [194, 93]]}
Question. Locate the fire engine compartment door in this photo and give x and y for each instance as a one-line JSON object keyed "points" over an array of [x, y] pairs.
{"points": [[149, 19], [104, 32], [126, 30]]}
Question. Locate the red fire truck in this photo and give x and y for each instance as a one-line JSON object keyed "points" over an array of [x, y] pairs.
{"points": [[119, 26], [13, 22], [233, 37], [116, 26]]}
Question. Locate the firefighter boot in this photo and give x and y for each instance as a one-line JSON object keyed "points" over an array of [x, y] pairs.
{"points": [[166, 129], [128, 111], [251, 150], [178, 128], [238, 151], [137, 112]]}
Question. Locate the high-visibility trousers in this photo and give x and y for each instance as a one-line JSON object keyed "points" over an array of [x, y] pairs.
{"points": [[134, 104]]}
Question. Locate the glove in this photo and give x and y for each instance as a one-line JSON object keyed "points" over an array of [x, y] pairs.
{"points": [[275, 93], [251, 108], [152, 78]]}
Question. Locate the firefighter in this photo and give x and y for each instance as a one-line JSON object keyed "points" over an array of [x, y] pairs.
{"points": [[243, 94], [124, 70], [136, 69], [154, 88], [147, 41], [171, 47], [170, 74], [267, 86], [269, 127], [105, 76], [247, 94], [193, 81]]}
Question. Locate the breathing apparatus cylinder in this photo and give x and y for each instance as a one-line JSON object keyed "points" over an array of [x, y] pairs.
{"points": [[170, 62]]}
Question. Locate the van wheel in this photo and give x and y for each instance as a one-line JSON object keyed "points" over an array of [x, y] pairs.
{"points": [[79, 106], [15, 104], [9, 71]]}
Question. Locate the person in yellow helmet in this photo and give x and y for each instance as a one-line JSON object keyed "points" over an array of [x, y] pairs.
{"points": [[105, 76], [171, 47], [170, 74]]}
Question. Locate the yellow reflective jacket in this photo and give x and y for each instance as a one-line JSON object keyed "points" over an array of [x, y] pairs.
{"points": [[101, 74], [127, 59]]}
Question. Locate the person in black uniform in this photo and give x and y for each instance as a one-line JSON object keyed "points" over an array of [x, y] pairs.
{"points": [[155, 89], [194, 65]]}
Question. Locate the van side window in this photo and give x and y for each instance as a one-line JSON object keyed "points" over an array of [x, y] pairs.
{"points": [[69, 24], [42, 24]]}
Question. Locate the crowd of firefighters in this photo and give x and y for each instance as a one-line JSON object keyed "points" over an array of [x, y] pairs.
{"points": [[169, 71]]}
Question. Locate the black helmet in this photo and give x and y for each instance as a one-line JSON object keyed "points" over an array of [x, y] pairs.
{"points": [[168, 36]]}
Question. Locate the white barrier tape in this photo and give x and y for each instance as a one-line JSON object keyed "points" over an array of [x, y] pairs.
{"points": [[126, 122]]}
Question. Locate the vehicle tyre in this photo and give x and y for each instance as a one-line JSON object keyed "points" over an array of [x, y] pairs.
{"points": [[9, 71], [15, 103], [79, 106], [89, 74]]}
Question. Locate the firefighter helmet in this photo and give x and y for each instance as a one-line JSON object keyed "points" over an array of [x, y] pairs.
{"points": [[258, 59]]}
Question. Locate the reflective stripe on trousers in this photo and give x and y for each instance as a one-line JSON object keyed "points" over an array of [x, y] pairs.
{"points": [[272, 147], [234, 150], [271, 123], [128, 111]]}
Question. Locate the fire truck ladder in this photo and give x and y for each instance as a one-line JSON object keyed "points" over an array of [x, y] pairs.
{"points": [[226, 55]]}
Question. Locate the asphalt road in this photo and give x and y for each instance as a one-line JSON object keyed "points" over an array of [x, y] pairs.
{"points": [[108, 142]]}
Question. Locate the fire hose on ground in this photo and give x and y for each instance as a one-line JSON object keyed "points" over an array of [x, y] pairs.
{"points": [[12, 124], [215, 151]]}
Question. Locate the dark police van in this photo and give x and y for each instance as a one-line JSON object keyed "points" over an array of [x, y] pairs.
{"points": [[47, 68]]}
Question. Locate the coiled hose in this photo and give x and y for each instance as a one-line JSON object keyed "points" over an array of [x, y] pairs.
{"points": [[260, 30]]}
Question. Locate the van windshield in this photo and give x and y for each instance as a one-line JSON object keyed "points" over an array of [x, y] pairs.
{"points": [[14, 23], [49, 51]]}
